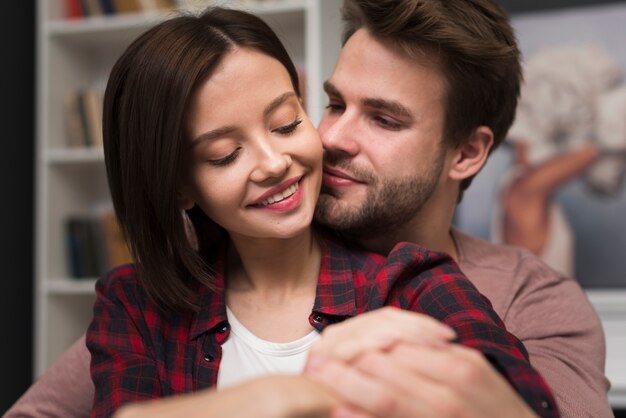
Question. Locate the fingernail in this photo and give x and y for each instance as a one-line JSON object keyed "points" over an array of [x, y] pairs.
{"points": [[447, 332]]}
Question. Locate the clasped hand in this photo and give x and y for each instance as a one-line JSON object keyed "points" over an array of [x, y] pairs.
{"points": [[397, 364]]}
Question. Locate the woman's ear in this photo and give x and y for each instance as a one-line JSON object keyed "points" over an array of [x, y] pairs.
{"points": [[185, 202], [470, 156]]}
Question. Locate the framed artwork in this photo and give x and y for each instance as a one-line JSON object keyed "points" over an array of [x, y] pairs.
{"points": [[569, 139]]}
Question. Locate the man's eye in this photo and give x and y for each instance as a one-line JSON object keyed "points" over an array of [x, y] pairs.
{"points": [[288, 129], [225, 160], [387, 123], [334, 107]]}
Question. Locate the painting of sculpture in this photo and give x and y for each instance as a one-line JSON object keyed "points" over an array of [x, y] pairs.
{"points": [[557, 185]]}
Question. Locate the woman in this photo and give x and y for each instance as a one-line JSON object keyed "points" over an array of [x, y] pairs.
{"points": [[203, 115]]}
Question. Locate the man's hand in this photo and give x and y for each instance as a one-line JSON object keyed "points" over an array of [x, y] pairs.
{"points": [[411, 380], [379, 330]]}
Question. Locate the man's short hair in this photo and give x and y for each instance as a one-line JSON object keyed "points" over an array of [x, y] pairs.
{"points": [[470, 41]]}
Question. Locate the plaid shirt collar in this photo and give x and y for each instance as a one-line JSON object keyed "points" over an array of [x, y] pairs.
{"points": [[335, 295]]}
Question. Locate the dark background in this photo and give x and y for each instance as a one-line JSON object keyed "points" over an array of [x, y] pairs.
{"points": [[17, 131], [17, 120]]}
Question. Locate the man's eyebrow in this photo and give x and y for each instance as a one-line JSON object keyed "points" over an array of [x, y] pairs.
{"points": [[226, 130], [376, 103], [330, 89], [390, 106]]}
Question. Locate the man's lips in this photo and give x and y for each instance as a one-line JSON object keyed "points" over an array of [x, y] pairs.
{"points": [[337, 178]]}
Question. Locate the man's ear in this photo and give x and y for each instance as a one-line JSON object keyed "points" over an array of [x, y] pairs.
{"points": [[470, 156], [184, 200]]}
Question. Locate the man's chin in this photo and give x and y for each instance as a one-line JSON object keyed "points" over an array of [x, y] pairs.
{"points": [[334, 212]]}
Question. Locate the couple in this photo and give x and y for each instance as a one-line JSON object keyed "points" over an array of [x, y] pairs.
{"points": [[410, 74]]}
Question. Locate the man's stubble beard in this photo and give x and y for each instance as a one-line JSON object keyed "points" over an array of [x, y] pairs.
{"points": [[388, 205]]}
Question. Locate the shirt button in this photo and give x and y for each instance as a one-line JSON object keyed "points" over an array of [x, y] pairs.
{"points": [[224, 328], [545, 404], [208, 357], [318, 319]]}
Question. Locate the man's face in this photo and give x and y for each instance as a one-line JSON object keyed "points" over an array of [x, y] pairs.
{"points": [[382, 132]]}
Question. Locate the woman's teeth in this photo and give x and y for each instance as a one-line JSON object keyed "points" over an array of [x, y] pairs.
{"points": [[281, 196]]}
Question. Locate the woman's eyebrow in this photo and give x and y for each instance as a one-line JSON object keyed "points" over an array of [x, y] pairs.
{"points": [[216, 133], [226, 130], [277, 102]]}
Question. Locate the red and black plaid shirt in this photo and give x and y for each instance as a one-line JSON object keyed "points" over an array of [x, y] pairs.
{"points": [[140, 352]]}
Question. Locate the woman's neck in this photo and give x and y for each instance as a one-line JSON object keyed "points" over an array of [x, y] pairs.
{"points": [[273, 266]]}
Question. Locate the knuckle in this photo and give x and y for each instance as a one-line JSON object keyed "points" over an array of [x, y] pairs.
{"points": [[467, 372], [385, 404], [451, 408], [370, 362]]}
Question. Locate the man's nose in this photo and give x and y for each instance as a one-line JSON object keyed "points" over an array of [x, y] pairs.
{"points": [[338, 134]]}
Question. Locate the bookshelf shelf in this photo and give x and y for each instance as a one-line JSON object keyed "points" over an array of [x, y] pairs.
{"points": [[75, 155], [74, 58], [70, 286], [72, 27]]}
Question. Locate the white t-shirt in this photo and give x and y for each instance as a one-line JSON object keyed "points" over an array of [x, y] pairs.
{"points": [[245, 356]]}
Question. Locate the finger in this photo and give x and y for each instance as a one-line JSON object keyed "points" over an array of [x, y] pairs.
{"points": [[363, 391], [349, 412], [379, 330], [455, 365], [458, 381], [435, 399]]}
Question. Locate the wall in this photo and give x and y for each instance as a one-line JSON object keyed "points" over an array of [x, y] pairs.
{"points": [[17, 33]]}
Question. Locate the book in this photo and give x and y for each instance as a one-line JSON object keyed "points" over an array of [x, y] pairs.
{"points": [[92, 101], [91, 8], [127, 6], [73, 122], [83, 117], [107, 7], [74, 9], [117, 251], [95, 244]]}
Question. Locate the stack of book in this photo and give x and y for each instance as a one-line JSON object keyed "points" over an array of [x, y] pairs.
{"points": [[76, 9], [95, 244], [83, 112]]}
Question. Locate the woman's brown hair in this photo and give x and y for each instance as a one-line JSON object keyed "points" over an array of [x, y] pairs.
{"points": [[146, 100]]}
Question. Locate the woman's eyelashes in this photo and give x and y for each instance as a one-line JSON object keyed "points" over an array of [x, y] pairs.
{"points": [[288, 129], [225, 160], [285, 130]]}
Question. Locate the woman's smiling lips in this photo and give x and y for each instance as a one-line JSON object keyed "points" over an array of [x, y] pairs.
{"points": [[283, 198]]}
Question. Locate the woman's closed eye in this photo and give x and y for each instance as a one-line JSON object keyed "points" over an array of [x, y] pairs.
{"points": [[225, 160], [288, 129]]}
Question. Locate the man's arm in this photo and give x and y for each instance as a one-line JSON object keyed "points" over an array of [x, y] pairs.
{"points": [[565, 341], [65, 390], [551, 315]]}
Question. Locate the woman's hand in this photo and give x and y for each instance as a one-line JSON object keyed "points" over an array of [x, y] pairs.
{"points": [[276, 396]]}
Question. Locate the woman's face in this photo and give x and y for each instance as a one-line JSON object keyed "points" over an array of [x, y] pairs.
{"points": [[255, 159]]}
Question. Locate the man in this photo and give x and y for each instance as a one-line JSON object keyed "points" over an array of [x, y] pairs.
{"points": [[421, 94]]}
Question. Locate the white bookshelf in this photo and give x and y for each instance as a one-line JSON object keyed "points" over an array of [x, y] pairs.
{"points": [[79, 53], [611, 307]]}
